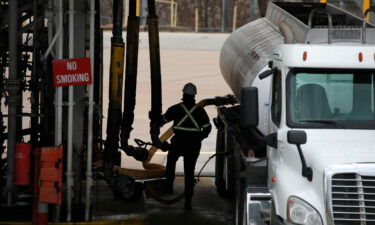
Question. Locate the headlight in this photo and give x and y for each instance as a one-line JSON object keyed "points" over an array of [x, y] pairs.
{"points": [[301, 212]]}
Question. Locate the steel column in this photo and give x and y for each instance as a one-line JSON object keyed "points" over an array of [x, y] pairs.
{"points": [[13, 88]]}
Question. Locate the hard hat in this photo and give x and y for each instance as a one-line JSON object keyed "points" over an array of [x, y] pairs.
{"points": [[189, 89]]}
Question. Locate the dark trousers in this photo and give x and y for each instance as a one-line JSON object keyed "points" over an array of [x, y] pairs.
{"points": [[190, 152]]}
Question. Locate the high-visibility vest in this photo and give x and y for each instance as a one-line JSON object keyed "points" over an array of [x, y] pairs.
{"points": [[189, 115]]}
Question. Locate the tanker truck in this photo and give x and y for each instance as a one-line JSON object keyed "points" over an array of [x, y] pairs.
{"points": [[300, 146]]}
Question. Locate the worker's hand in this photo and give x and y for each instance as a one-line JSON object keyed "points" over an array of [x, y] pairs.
{"points": [[165, 146]]}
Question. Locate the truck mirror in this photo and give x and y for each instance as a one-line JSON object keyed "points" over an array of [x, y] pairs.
{"points": [[297, 137], [249, 106]]}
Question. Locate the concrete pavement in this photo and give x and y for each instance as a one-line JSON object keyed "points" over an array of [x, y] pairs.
{"points": [[185, 57]]}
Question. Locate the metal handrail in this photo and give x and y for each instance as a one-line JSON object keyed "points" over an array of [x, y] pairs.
{"points": [[312, 13], [364, 24]]}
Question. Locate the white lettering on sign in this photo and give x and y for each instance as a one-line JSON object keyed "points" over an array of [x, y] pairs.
{"points": [[71, 65], [70, 78]]}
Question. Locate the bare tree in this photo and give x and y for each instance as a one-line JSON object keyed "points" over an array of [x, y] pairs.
{"points": [[210, 13]]}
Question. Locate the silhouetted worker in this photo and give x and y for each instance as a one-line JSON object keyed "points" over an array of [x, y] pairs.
{"points": [[191, 125]]}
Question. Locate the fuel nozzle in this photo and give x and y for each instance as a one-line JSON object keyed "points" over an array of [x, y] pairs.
{"points": [[139, 153]]}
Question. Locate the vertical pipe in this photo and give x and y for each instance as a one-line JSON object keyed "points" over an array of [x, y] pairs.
{"points": [[223, 15], [90, 112], [69, 169], [234, 18], [35, 76], [13, 87], [58, 94], [172, 10], [138, 7], [175, 14], [366, 5], [255, 11], [58, 90], [196, 20]]}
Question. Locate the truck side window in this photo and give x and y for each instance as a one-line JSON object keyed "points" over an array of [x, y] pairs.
{"points": [[276, 98]]}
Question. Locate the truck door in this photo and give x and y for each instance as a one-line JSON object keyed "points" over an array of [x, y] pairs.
{"points": [[274, 122]]}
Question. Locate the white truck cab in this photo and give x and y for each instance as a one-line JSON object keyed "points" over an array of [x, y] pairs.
{"points": [[303, 136], [326, 93]]}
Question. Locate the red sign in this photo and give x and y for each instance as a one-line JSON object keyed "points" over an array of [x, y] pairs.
{"points": [[67, 72]]}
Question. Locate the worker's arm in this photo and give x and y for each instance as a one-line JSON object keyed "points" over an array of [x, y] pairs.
{"points": [[205, 124], [168, 116]]}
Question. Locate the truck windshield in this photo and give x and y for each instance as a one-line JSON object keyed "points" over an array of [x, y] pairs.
{"points": [[339, 99]]}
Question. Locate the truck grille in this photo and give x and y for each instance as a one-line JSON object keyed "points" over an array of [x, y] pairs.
{"points": [[353, 199]]}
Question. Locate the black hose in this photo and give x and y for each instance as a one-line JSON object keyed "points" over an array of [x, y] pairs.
{"points": [[131, 70], [156, 88], [226, 154], [150, 192], [118, 7], [110, 154]]}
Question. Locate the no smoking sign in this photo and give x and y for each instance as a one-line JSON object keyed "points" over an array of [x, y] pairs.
{"points": [[75, 71]]}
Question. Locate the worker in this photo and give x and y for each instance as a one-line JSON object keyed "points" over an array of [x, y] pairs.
{"points": [[191, 125]]}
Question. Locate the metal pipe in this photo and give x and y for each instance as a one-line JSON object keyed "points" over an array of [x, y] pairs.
{"points": [[196, 19], [42, 208], [365, 20], [175, 14], [54, 39], [58, 91], [225, 15], [234, 26], [35, 91], [13, 88], [69, 169], [90, 112], [287, 33], [49, 16], [58, 94], [365, 6], [172, 12]]}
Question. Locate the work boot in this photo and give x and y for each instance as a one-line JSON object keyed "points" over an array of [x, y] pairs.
{"points": [[187, 205]]}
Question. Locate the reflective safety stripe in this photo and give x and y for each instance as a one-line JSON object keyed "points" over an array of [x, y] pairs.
{"points": [[206, 125], [188, 114], [186, 129]]}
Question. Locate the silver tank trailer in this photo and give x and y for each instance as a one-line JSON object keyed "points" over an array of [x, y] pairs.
{"points": [[246, 53]]}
